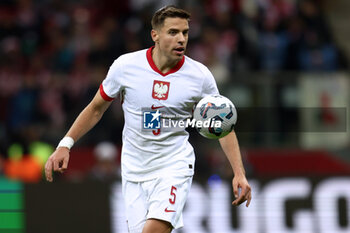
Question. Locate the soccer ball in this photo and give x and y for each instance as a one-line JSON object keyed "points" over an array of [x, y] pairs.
{"points": [[215, 116]]}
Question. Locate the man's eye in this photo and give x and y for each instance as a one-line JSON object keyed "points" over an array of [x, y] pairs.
{"points": [[172, 33]]}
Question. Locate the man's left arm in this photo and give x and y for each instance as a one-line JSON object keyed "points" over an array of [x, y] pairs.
{"points": [[230, 146]]}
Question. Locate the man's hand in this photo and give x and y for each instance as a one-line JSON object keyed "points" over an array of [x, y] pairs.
{"points": [[57, 162], [240, 183]]}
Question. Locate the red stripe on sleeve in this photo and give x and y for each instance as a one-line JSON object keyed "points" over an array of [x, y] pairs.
{"points": [[104, 95]]}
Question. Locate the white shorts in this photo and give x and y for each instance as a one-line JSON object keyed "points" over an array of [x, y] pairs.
{"points": [[161, 198]]}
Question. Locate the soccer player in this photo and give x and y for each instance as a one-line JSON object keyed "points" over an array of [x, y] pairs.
{"points": [[157, 166]]}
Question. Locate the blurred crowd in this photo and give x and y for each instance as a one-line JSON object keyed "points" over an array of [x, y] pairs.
{"points": [[54, 54]]}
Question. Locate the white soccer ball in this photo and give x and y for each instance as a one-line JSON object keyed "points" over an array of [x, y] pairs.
{"points": [[215, 116]]}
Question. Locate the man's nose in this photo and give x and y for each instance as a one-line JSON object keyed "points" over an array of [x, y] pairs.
{"points": [[182, 38]]}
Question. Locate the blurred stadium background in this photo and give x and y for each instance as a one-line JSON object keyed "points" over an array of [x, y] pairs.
{"points": [[284, 63]]}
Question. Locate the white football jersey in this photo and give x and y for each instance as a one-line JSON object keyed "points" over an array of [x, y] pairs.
{"points": [[149, 153]]}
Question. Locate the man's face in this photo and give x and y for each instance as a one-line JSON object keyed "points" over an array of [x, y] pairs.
{"points": [[172, 38]]}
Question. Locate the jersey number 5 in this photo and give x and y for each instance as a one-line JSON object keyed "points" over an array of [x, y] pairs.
{"points": [[172, 193], [156, 132]]}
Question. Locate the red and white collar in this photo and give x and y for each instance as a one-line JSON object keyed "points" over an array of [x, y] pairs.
{"points": [[155, 68]]}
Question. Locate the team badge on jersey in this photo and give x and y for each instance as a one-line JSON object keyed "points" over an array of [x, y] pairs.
{"points": [[160, 90]]}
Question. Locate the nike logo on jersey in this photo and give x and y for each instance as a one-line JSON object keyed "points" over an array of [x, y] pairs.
{"points": [[156, 107], [168, 211]]}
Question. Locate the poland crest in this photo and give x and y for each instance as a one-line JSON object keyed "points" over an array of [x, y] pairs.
{"points": [[160, 90]]}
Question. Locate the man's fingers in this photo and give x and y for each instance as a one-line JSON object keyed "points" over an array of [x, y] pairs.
{"points": [[248, 196], [245, 195], [57, 162], [249, 199], [241, 198], [55, 165], [60, 170], [48, 170], [235, 190], [64, 165]]}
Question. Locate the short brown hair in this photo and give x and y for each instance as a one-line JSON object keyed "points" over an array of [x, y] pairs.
{"points": [[168, 12]]}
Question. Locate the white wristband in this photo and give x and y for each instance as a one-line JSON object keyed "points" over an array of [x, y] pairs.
{"points": [[66, 142]]}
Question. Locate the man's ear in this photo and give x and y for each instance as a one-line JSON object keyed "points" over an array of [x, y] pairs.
{"points": [[155, 35]]}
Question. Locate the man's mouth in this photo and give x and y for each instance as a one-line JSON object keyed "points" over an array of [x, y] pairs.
{"points": [[180, 49]]}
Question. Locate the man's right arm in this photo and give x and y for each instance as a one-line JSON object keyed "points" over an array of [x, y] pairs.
{"points": [[86, 120]]}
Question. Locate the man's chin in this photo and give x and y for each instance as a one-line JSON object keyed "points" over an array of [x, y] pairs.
{"points": [[178, 58]]}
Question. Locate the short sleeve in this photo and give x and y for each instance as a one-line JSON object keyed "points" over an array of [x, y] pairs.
{"points": [[111, 85], [209, 84]]}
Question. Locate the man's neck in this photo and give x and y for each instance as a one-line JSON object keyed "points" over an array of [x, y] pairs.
{"points": [[161, 61]]}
